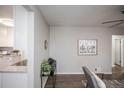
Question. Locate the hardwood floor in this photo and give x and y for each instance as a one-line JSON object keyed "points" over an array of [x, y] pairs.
{"points": [[118, 72], [66, 81], [78, 81]]}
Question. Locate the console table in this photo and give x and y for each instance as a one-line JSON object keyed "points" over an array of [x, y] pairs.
{"points": [[52, 73]]}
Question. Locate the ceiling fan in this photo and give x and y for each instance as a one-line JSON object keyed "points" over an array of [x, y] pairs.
{"points": [[116, 22]]}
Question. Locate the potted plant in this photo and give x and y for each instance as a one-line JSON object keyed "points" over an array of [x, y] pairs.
{"points": [[45, 68]]}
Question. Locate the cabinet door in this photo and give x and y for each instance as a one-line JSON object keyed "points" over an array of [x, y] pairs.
{"points": [[14, 80]]}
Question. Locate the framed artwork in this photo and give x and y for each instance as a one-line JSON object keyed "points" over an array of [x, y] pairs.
{"points": [[87, 47]]}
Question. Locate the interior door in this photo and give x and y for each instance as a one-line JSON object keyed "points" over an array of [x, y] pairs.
{"points": [[118, 52]]}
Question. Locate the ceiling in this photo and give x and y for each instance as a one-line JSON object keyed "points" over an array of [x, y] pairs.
{"points": [[81, 15], [6, 11]]}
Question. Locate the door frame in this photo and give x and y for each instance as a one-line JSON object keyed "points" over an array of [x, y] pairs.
{"points": [[113, 49]]}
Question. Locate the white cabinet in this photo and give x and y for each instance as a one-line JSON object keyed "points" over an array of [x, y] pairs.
{"points": [[14, 80]]}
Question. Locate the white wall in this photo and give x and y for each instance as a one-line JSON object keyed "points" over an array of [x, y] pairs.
{"points": [[6, 36], [30, 49], [21, 30], [21, 39], [33, 40], [41, 33], [24, 38], [63, 47]]}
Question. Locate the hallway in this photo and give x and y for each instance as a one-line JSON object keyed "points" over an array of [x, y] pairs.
{"points": [[118, 72]]}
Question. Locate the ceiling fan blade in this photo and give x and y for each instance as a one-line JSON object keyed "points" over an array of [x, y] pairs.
{"points": [[112, 21], [116, 24]]}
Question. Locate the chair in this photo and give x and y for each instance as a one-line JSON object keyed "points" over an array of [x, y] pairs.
{"points": [[91, 81]]}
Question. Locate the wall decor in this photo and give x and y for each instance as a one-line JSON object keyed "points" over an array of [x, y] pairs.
{"points": [[45, 44], [87, 47]]}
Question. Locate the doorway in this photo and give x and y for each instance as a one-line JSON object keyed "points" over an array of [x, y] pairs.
{"points": [[117, 50], [117, 55]]}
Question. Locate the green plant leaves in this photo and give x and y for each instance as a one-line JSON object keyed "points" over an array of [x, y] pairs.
{"points": [[45, 67]]}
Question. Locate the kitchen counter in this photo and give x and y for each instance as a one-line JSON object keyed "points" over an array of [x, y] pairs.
{"points": [[14, 69], [8, 63]]}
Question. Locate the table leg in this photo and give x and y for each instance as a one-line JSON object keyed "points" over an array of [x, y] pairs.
{"points": [[53, 81]]}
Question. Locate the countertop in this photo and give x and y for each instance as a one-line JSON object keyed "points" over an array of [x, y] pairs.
{"points": [[7, 63]]}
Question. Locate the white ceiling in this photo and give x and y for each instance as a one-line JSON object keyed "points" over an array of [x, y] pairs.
{"points": [[6, 11], [83, 15]]}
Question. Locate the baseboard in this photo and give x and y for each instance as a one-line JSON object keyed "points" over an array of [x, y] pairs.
{"points": [[79, 73], [70, 73], [107, 72]]}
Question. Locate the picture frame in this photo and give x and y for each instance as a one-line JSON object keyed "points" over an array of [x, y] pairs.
{"points": [[87, 47]]}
